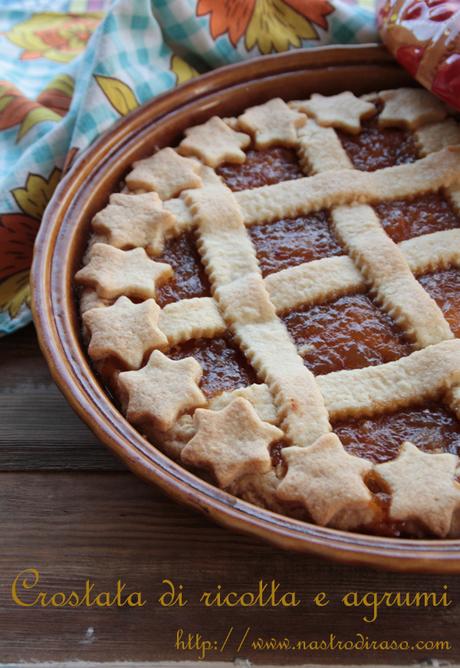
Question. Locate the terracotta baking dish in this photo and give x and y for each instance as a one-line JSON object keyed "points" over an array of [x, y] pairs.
{"points": [[63, 236]]}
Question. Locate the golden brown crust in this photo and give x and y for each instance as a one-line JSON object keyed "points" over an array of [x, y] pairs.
{"points": [[131, 221], [423, 488], [410, 107], [231, 442], [328, 482], [344, 110], [162, 390], [113, 272], [166, 172], [214, 142], [124, 330], [272, 123]]}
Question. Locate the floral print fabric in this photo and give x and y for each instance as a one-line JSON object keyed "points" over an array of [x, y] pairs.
{"points": [[71, 68]]}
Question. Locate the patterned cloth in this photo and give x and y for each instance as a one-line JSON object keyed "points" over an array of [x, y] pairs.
{"points": [[71, 68]]}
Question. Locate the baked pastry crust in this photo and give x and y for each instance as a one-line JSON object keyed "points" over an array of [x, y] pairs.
{"points": [[231, 434]]}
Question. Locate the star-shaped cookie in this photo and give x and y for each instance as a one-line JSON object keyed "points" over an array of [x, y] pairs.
{"points": [[166, 172], [344, 110], [124, 330], [410, 107], [231, 442], [423, 487], [135, 220], [115, 272], [215, 142], [162, 390], [328, 482], [272, 123]]}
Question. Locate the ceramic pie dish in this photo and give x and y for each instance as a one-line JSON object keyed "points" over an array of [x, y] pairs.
{"points": [[288, 275]]}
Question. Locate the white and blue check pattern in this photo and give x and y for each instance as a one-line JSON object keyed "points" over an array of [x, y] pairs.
{"points": [[135, 42]]}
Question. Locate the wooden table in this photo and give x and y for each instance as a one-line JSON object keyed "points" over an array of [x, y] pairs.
{"points": [[71, 511]]}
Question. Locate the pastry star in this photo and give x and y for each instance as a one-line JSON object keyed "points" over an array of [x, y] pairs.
{"points": [[328, 482], [162, 390], [423, 487], [115, 272], [272, 123], [134, 220], [214, 142], [166, 172], [231, 442], [341, 111], [410, 107], [125, 330]]}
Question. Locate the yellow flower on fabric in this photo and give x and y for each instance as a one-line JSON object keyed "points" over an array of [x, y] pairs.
{"points": [[57, 37], [182, 70], [118, 93], [34, 197], [269, 25], [14, 292], [275, 26]]}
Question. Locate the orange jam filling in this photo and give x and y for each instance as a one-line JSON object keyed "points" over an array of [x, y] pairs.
{"points": [[189, 278], [224, 365], [444, 288], [423, 215], [432, 428], [262, 168], [375, 148], [292, 241], [348, 333]]}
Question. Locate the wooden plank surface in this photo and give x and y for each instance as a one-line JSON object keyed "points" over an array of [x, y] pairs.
{"points": [[105, 526], [66, 511], [39, 429]]}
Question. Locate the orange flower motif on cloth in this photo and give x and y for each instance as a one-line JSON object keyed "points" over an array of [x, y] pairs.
{"points": [[270, 25], [17, 235], [58, 94], [17, 109], [56, 37]]}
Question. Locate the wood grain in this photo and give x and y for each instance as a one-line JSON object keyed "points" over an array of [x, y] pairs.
{"points": [[74, 525], [39, 429], [105, 526]]}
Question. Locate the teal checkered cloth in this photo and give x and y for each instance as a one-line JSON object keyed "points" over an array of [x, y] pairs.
{"points": [[71, 68]]}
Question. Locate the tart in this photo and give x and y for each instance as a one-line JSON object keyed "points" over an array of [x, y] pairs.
{"points": [[275, 303]]}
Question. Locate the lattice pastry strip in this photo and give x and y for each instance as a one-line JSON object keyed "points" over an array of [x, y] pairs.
{"points": [[332, 185], [246, 307], [316, 282], [431, 138], [384, 267], [333, 188], [374, 390]]}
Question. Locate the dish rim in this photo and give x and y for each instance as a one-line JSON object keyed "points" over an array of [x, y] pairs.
{"points": [[59, 340]]}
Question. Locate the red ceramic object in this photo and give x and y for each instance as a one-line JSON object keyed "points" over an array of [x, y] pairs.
{"points": [[424, 36]]}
